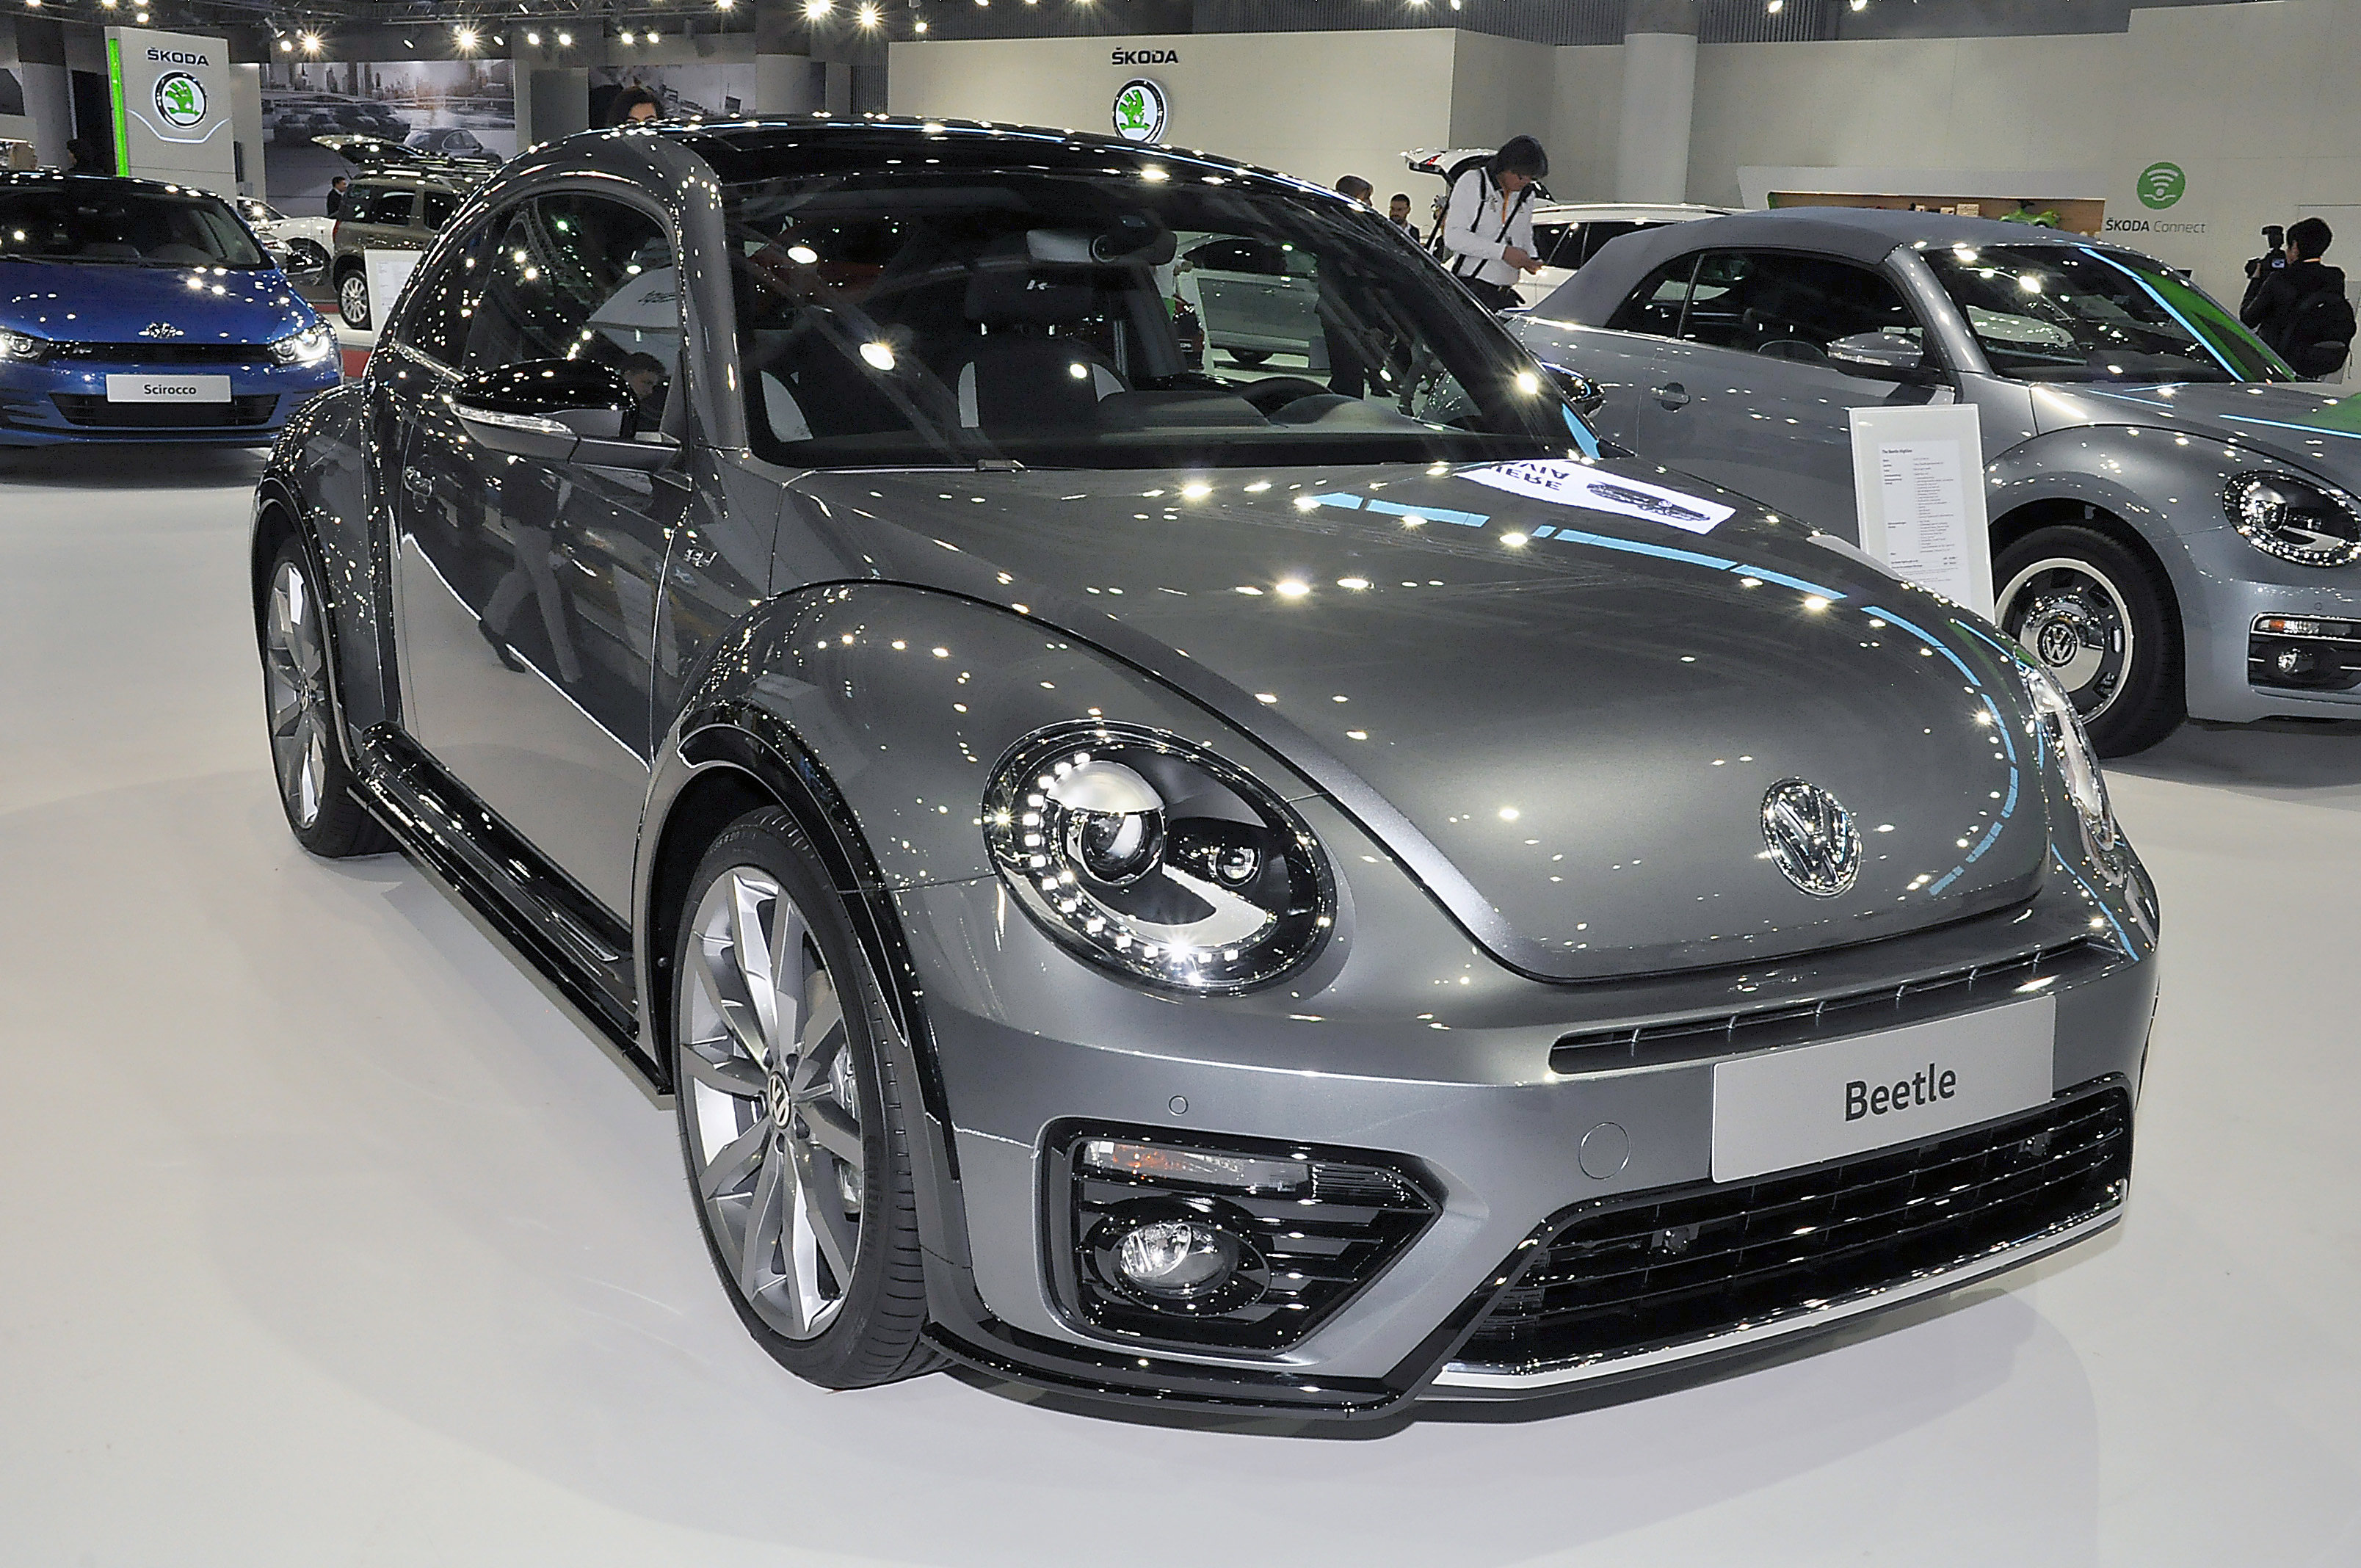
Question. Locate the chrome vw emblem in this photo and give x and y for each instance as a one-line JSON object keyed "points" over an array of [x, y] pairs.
{"points": [[1811, 837], [162, 329]]}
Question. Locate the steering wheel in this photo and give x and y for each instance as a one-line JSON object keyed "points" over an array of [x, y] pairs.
{"points": [[1274, 393]]}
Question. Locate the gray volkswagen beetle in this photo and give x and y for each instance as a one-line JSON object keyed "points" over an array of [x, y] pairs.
{"points": [[2174, 523], [1184, 884]]}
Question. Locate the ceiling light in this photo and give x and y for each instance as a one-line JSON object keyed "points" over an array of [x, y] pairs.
{"points": [[919, 26], [648, 37], [311, 42], [565, 40], [466, 37], [628, 36], [533, 38], [1776, 6], [815, 9], [724, 5], [868, 14], [286, 46]]}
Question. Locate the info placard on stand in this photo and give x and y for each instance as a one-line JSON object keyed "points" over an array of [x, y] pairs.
{"points": [[1919, 485]]}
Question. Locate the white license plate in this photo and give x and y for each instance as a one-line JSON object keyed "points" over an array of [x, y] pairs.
{"points": [[1798, 1107], [168, 389]]}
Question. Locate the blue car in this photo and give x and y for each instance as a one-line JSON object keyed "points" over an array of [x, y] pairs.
{"points": [[133, 311]]}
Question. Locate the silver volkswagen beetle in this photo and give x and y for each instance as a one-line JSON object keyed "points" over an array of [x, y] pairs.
{"points": [[2174, 522], [1184, 887]]}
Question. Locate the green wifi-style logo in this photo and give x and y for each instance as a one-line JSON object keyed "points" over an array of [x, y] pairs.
{"points": [[2162, 184]]}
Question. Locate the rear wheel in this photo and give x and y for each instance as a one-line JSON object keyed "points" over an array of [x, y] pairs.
{"points": [[315, 787], [791, 1118], [2099, 618], [353, 298]]}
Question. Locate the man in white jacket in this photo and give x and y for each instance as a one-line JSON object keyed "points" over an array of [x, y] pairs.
{"points": [[1487, 230]]}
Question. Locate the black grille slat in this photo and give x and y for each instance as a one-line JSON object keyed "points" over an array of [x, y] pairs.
{"points": [[1625, 1278], [146, 355], [1787, 1023], [90, 410]]}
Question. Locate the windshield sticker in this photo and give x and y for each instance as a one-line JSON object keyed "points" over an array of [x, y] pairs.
{"points": [[1579, 485]]}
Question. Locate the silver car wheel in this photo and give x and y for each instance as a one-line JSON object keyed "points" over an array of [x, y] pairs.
{"points": [[2076, 625], [352, 300], [775, 1112], [295, 676]]}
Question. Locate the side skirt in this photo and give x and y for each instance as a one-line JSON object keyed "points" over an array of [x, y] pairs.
{"points": [[576, 944]]}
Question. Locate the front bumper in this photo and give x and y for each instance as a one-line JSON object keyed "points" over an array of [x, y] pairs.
{"points": [[2233, 591], [1030, 1045], [54, 401]]}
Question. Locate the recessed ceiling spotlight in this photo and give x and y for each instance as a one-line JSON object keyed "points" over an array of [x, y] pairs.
{"points": [[533, 38], [565, 40]]}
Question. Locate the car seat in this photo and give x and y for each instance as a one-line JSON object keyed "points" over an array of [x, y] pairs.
{"points": [[1020, 377]]}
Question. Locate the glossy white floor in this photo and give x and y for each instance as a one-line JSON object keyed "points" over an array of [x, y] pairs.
{"points": [[329, 1239]]}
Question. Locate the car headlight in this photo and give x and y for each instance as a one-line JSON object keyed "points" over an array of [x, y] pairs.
{"points": [[307, 346], [2295, 519], [2062, 734], [19, 345], [1155, 858]]}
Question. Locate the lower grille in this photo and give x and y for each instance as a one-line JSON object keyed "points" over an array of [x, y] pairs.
{"points": [[90, 409], [1621, 1277]]}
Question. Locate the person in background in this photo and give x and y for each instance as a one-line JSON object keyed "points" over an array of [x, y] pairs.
{"points": [[1397, 209], [1354, 188], [2300, 311], [633, 104], [334, 205], [83, 159], [1488, 231]]}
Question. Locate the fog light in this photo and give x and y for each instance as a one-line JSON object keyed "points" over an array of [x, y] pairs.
{"points": [[2293, 661], [1177, 1260]]}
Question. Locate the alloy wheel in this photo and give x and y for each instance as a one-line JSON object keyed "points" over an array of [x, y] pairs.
{"points": [[352, 300], [774, 1112], [2076, 625], [295, 680]]}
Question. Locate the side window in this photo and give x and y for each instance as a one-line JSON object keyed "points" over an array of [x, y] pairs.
{"points": [[1598, 234], [579, 277], [386, 204], [444, 302], [1786, 306], [439, 206], [1654, 306], [1558, 244]]}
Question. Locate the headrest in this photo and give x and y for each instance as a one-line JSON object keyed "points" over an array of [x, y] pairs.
{"points": [[1009, 289]]}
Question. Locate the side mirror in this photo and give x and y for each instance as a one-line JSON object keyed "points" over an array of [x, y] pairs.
{"points": [[560, 411], [1880, 357], [1580, 390]]}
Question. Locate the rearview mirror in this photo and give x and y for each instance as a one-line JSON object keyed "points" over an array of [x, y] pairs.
{"points": [[1880, 357], [1579, 390], [560, 411]]}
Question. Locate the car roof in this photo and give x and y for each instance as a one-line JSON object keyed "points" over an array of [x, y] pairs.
{"points": [[24, 178], [1625, 212], [1863, 234], [778, 146]]}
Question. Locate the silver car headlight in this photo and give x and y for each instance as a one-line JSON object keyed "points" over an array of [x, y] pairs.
{"points": [[2296, 520], [1155, 858], [2062, 736], [308, 347], [22, 346]]}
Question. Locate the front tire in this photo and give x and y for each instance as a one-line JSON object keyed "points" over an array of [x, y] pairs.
{"points": [[315, 786], [790, 1110], [353, 300], [2100, 617]]}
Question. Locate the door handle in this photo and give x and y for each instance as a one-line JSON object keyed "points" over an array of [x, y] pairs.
{"points": [[1672, 394], [416, 483]]}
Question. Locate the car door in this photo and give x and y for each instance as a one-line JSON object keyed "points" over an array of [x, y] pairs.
{"points": [[528, 589], [378, 217], [1626, 357], [1744, 392]]}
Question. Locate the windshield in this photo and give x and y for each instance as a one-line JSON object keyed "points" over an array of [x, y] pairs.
{"points": [[124, 228], [1107, 321], [2079, 313]]}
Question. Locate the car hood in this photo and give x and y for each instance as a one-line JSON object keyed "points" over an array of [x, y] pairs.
{"points": [[2305, 425], [1562, 716], [95, 303]]}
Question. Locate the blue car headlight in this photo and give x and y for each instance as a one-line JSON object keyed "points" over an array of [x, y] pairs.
{"points": [[1151, 856], [308, 347], [22, 347]]}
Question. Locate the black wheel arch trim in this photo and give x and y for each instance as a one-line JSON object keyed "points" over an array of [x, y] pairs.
{"points": [[731, 733]]}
